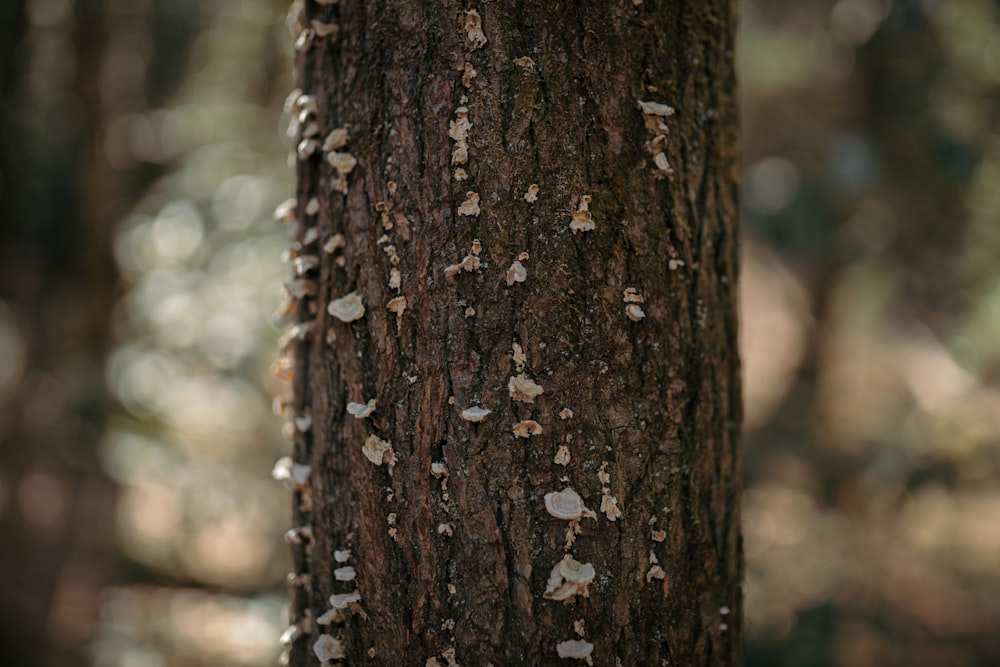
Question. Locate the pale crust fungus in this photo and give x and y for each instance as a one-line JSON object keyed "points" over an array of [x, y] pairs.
{"points": [[294, 475], [470, 206], [634, 312], [342, 555], [344, 163], [656, 109], [329, 648], [658, 535], [362, 410], [395, 279], [378, 451], [527, 428], [474, 29], [516, 273], [525, 62], [475, 414], [575, 649], [347, 308], [312, 206], [458, 131], [565, 413], [285, 211], [523, 389], [439, 469], [583, 221], [562, 456], [336, 139], [468, 74], [397, 305], [609, 505], [445, 530], [470, 263], [517, 354], [655, 572], [344, 600], [654, 114], [334, 243], [630, 295], [568, 579], [567, 505], [531, 196], [307, 148], [325, 30], [291, 633], [346, 573]]}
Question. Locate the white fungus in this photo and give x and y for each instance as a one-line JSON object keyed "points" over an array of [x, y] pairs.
{"points": [[475, 414], [656, 109], [567, 505], [362, 410], [568, 579], [575, 649], [347, 308], [346, 573], [342, 600], [523, 389], [336, 139], [285, 211], [516, 273], [329, 648], [634, 312], [531, 196], [342, 555], [344, 163], [294, 475]]}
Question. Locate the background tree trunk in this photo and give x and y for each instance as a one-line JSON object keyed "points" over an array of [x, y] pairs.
{"points": [[461, 561]]}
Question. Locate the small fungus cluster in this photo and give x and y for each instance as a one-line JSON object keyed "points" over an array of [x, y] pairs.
{"points": [[654, 115], [583, 221]]}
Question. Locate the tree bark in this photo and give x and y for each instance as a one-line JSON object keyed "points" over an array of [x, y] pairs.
{"points": [[640, 387]]}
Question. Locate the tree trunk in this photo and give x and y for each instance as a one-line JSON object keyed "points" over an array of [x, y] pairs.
{"points": [[623, 316]]}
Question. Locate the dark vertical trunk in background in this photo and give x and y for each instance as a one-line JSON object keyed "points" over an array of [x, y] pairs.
{"points": [[57, 284], [453, 567]]}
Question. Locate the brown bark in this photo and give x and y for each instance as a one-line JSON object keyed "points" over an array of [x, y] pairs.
{"points": [[655, 402]]}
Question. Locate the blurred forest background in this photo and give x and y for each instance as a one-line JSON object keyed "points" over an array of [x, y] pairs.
{"points": [[142, 150]]}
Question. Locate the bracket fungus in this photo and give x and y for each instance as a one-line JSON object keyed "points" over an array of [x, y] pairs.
{"points": [[522, 388], [378, 451], [516, 273], [329, 648], [531, 196], [583, 221], [567, 505], [470, 206], [575, 649], [346, 573], [474, 29], [475, 414], [347, 308], [362, 410], [294, 475], [568, 579], [343, 600], [527, 428]]}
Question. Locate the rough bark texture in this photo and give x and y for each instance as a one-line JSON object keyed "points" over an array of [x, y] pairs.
{"points": [[655, 402]]}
